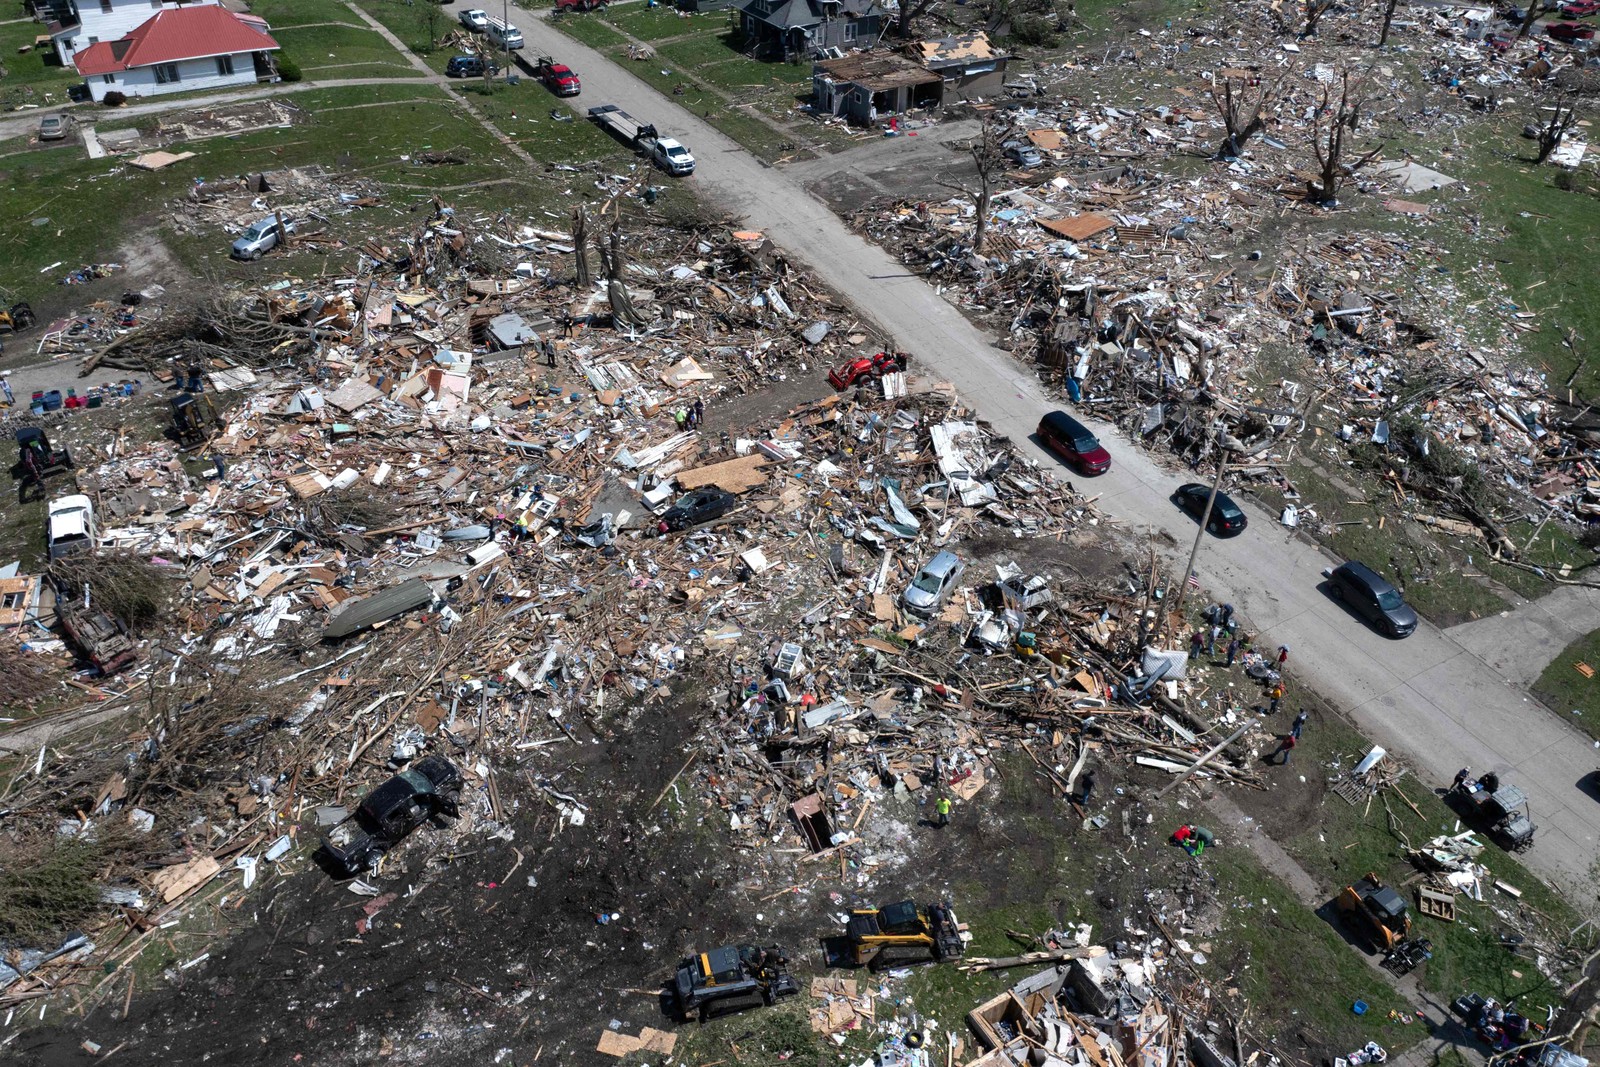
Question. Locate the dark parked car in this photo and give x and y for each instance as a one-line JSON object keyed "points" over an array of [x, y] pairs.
{"points": [[469, 67], [1373, 598], [1227, 518], [702, 505], [1072, 441], [431, 786]]}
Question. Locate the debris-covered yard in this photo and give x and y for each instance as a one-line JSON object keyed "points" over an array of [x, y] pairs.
{"points": [[436, 643]]}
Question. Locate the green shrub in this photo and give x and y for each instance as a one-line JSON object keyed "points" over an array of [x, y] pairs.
{"points": [[288, 69]]}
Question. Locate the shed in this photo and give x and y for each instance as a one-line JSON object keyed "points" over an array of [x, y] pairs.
{"points": [[866, 86]]}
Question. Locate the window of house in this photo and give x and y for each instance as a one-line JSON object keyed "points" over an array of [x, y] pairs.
{"points": [[167, 73], [224, 65], [109, 79], [105, 7], [850, 31], [13, 601]]}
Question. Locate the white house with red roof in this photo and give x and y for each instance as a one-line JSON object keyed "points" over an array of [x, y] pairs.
{"points": [[180, 49]]}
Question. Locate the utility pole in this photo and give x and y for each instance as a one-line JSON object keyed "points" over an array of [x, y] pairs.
{"points": [[505, 39], [1199, 535]]}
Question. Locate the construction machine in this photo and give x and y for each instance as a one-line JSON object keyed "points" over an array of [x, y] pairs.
{"points": [[19, 316], [194, 419], [36, 460], [731, 978], [1377, 911], [897, 933]]}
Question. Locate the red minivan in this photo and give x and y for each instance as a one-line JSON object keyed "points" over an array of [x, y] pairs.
{"points": [[1072, 441]]}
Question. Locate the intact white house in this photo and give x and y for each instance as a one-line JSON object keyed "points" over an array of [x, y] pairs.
{"points": [[172, 49]]}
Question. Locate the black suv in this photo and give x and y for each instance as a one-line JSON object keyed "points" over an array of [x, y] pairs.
{"points": [[702, 505], [469, 67], [1371, 596], [1227, 518]]}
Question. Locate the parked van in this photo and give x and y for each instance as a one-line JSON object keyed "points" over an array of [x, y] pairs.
{"points": [[502, 34], [1072, 441]]}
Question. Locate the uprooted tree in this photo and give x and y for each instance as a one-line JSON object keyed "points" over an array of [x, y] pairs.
{"points": [[1388, 20], [1530, 15], [1555, 130], [1243, 118], [1328, 132], [988, 161]]}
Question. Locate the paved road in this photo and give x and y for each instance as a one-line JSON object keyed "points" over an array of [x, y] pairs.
{"points": [[1426, 698]]}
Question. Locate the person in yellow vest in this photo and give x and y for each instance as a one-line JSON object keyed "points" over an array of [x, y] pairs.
{"points": [[942, 808]]}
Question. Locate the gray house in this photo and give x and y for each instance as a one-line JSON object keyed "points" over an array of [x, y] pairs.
{"points": [[789, 29]]}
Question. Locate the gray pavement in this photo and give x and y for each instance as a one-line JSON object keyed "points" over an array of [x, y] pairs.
{"points": [[1520, 643], [1428, 698]]}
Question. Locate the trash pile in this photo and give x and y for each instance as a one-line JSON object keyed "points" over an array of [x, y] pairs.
{"points": [[447, 512], [1132, 289]]}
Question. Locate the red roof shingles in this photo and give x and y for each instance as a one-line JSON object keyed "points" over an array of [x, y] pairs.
{"points": [[171, 35]]}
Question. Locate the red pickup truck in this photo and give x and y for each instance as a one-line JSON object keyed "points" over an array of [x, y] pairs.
{"points": [[557, 77]]}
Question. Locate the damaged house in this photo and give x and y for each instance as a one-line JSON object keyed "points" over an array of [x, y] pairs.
{"points": [[968, 63], [786, 29], [864, 87]]}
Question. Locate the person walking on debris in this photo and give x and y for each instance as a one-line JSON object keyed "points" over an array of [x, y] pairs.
{"points": [[549, 352], [566, 324], [1233, 650], [1274, 697], [5, 387], [1283, 656], [1299, 724], [1197, 644], [941, 809], [1285, 747], [681, 417], [699, 412], [1085, 790]]}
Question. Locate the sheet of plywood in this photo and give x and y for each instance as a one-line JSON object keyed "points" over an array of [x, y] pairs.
{"points": [[1078, 227], [735, 475], [174, 882]]}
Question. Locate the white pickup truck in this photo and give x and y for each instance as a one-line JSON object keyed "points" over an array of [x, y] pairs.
{"points": [[668, 154]]}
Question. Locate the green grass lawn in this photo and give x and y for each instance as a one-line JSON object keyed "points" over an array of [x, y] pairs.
{"points": [[373, 140], [333, 71], [282, 13], [329, 45], [661, 23], [31, 74], [1539, 236], [1565, 690], [523, 112], [591, 30]]}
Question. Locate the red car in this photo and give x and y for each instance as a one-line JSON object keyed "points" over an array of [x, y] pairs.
{"points": [[1570, 31], [874, 366], [557, 77], [1577, 9], [1072, 441], [1499, 42]]}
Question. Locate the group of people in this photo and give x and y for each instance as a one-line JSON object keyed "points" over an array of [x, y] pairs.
{"points": [[1500, 1025], [688, 418]]}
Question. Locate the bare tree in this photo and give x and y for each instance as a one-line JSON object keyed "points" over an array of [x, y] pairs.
{"points": [[580, 244], [1243, 123], [988, 160], [1551, 133], [909, 10], [1327, 139], [611, 258], [1388, 17], [1315, 9], [1534, 10]]}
